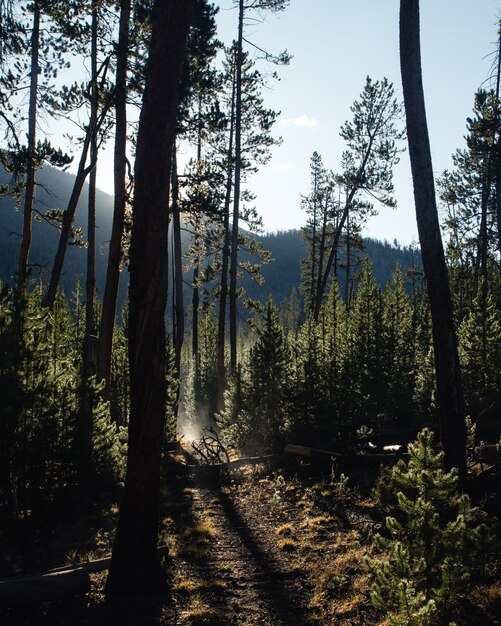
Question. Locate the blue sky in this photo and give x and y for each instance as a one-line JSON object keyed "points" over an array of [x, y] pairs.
{"points": [[335, 45]]}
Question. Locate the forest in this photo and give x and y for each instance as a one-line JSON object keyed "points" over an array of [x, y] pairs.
{"points": [[202, 422]]}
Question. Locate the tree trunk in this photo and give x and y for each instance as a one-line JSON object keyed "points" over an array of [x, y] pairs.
{"points": [[85, 421], [68, 217], [236, 194], [91, 223], [134, 565], [22, 271], [119, 176], [449, 386], [177, 260], [221, 330], [498, 197], [195, 300]]}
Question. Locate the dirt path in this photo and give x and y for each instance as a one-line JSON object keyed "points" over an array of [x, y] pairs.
{"points": [[224, 569]]}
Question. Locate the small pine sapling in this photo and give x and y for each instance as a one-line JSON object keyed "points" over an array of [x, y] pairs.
{"points": [[433, 543]]}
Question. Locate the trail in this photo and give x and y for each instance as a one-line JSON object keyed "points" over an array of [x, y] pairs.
{"points": [[236, 580]]}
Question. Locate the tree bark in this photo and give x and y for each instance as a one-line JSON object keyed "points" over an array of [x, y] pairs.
{"points": [[134, 566], [236, 193], [22, 271], [85, 421], [223, 295], [91, 222], [177, 260], [119, 176], [195, 299], [448, 374]]}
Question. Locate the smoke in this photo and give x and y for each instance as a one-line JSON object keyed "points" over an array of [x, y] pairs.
{"points": [[192, 427]]}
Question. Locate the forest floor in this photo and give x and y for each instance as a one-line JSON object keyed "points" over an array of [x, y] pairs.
{"points": [[275, 546]]}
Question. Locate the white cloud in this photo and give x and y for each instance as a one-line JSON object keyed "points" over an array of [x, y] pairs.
{"points": [[282, 167], [302, 121]]}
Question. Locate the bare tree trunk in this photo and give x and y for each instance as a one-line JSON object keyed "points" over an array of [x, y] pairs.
{"points": [[91, 225], [498, 197], [449, 386], [85, 421], [315, 285], [29, 192], [119, 176], [68, 217], [236, 194], [195, 300], [498, 146], [177, 260], [348, 268], [134, 565], [223, 295], [321, 252]]}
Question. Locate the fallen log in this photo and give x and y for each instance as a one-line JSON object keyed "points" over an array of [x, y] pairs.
{"points": [[366, 459], [55, 584], [178, 468]]}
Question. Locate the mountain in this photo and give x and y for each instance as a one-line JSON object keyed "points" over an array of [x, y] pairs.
{"points": [[288, 248], [53, 190]]}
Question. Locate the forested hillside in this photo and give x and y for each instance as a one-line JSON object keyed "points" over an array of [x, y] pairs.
{"points": [[53, 192], [281, 275]]}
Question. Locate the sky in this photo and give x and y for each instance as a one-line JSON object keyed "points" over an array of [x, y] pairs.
{"points": [[335, 45]]}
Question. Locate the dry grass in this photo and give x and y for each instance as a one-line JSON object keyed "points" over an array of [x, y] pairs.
{"points": [[342, 588], [285, 530], [188, 586], [320, 520], [194, 540], [288, 544], [198, 611]]}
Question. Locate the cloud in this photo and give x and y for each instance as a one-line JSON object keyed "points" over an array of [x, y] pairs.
{"points": [[282, 167], [302, 121]]}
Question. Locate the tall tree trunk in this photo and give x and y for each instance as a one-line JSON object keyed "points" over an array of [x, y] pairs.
{"points": [[321, 250], [177, 259], [236, 193], [315, 284], [91, 222], [195, 299], [348, 268], [449, 386], [68, 217], [29, 192], [85, 422], [498, 145], [119, 178], [498, 195], [223, 295], [134, 566]]}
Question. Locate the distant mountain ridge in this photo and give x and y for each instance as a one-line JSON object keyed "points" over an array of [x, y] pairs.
{"points": [[53, 191]]}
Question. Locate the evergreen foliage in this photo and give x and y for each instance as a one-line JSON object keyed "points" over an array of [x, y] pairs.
{"points": [[433, 545], [480, 354], [257, 403], [46, 399]]}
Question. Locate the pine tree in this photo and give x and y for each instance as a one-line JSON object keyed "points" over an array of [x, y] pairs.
{"points": [[366, 348], [398, 362], [268, 368], [372, 151], [480, 354], [434, 538]]}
